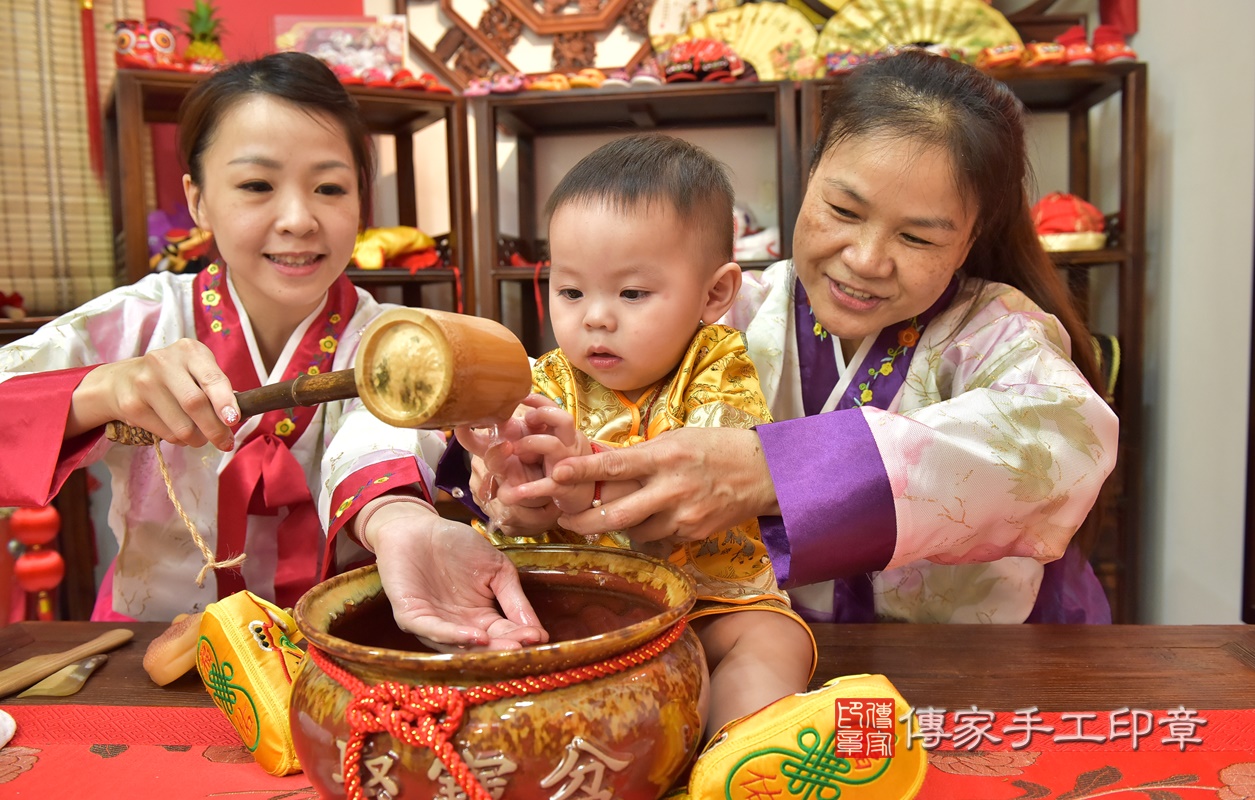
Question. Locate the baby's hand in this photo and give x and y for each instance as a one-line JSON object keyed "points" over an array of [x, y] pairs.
{"points": [[178, 393], [554, 438], [495, 466], [494, 463]]}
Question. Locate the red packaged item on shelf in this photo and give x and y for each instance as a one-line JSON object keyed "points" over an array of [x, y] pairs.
{"points": [[1044, 54], [1003, 55], [1067, 223], [1110, 47], [1076, 49]]}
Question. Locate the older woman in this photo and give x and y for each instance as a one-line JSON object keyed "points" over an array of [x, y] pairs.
{"points": [[937, 441]]}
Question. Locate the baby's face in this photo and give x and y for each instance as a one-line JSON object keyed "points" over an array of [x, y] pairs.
{"points": [[626, 290]]}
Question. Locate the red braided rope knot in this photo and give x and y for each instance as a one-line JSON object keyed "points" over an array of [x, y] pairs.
{"points": [[409, 713]]}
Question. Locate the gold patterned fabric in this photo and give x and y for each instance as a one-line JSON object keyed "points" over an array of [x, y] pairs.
{"points": [[715, 385]]}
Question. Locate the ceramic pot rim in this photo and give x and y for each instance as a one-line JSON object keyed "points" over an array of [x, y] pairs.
{"points": [[314, 612]]}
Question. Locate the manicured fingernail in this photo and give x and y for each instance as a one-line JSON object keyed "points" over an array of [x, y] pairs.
{"points": [[230, 415]]}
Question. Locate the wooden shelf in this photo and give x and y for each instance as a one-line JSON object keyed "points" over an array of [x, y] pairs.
{"points": [[689, 105], [529, 115], [528, 274], [1090, 258], [384, 109], [13, 329], [142, 97], [394, 275], [1065, 88]]}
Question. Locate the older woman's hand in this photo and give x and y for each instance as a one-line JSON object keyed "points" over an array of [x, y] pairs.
{"points": [[694, 482]]}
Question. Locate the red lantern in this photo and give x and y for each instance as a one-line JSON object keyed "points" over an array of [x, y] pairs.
{"points": [[38, 569], [35, 527]]}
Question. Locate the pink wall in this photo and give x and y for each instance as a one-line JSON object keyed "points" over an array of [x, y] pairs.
{"points": [[249, 33]]}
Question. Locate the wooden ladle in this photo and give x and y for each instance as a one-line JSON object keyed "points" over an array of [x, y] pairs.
{"points": [[415, 368]]}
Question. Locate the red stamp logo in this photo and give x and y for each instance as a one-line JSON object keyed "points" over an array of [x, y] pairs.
{"points": [[864, 727]]}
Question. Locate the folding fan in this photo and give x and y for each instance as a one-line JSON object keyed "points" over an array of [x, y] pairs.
{"points": [[869, 26], [778, 40], [668, 19]]}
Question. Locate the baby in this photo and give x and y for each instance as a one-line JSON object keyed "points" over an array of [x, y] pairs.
{"points": [[640, 237]]}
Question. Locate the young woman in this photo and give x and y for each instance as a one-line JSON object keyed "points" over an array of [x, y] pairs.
{"points": [[279, 170]]}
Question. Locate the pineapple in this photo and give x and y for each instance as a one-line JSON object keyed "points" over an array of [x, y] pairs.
{"points": [[204, 29]]}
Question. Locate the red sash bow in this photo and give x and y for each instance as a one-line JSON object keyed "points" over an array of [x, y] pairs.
{"points": [[264, 478]]}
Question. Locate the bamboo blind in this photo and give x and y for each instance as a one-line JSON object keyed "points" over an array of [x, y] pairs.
{"points": [[56, 232]]}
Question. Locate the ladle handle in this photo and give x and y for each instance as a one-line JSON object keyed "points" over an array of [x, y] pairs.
{"points": [[303, 390]]}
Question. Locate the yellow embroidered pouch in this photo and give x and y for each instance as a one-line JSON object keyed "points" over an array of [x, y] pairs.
{"points": [[247, 657], [846, 739]]}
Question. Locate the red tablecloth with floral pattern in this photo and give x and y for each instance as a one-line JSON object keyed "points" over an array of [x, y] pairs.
{"points": [[140, 753], [1212, 755]]}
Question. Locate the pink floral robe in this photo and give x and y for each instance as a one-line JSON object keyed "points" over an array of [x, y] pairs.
{"points": [[281, 496], [951, 497]]}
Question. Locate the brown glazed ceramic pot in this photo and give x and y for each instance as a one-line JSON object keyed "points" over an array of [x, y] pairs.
{"points": [[628, 735]]}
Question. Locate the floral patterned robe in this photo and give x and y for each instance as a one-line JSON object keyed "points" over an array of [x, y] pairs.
{"points": [[281, 496], [945, 499]]}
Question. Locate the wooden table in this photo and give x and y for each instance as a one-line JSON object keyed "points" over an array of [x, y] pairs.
{"points": [[994, 667]]}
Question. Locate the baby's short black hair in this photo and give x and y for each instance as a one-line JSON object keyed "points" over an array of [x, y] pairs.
{"points": [[637, 171]]}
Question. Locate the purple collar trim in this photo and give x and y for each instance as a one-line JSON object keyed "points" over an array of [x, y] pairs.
{"points": [[886, 361]]}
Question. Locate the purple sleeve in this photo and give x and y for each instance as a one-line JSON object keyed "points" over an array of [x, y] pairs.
{"points": [[837, 513], [453, 472]]}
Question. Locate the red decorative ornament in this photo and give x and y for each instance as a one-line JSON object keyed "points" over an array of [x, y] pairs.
{"points": [[1120, 13], [1066, 222], [149, 44], [35, 527], [95, 134], [163, 42], [39, 569]]}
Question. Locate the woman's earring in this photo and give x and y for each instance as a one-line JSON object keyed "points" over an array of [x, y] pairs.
{"points": [[701, 323]]}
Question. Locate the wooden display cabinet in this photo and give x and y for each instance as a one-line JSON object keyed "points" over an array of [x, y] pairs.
{"points": [[1074, 90], [148, 96], [529, 115], [13, 329]]}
